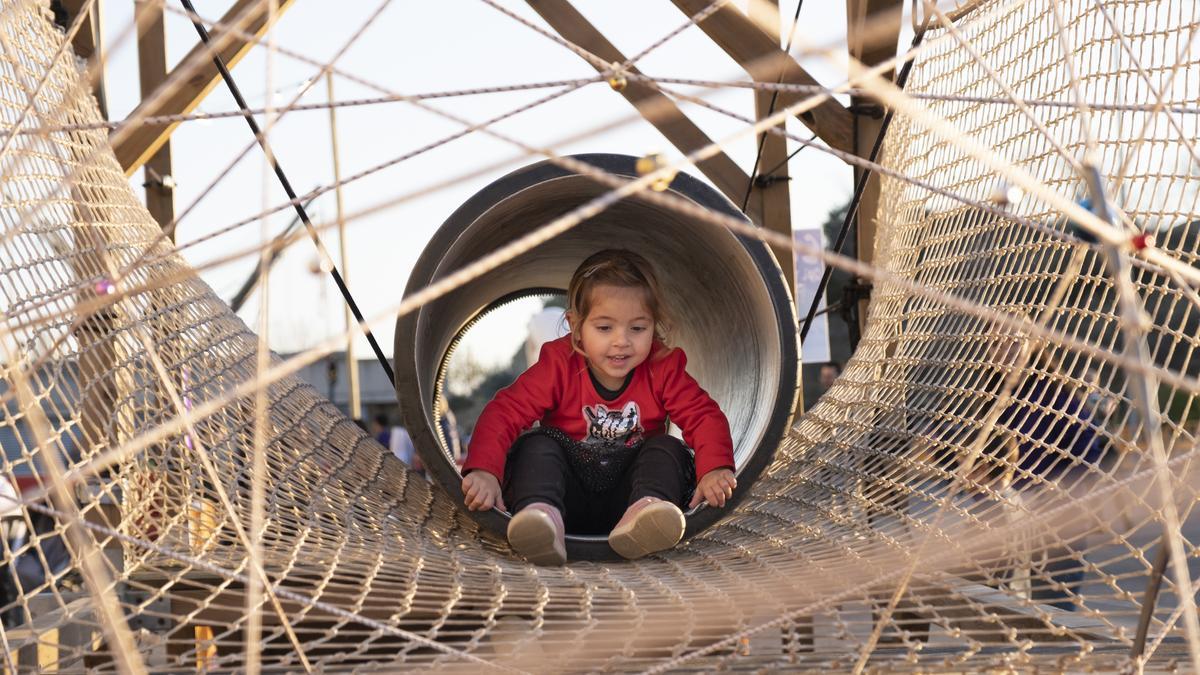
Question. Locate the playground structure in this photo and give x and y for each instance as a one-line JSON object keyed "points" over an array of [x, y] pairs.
{"points": [[218, 513]]}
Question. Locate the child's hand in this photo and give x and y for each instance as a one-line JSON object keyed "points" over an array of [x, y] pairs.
{"points": [[481, 491], [715, 487]]}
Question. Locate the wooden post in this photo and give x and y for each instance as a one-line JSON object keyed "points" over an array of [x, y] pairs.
{"points": [[152, 69], [760, 55], [351, 363], [770, 193], [883, 18], [87, 42]]}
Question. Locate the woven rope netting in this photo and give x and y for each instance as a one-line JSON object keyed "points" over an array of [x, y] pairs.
{"points": [[980, 488]]}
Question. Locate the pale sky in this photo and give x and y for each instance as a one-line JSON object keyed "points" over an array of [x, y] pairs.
{"points": [[417, 48]]}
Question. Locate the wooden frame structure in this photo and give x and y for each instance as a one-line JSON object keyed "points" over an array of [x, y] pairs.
{"points": [[183, 89], [152, 69], [766, 199], [753, 40]]}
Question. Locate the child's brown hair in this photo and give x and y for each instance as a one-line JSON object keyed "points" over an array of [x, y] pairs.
{"points": [[624, 269]]}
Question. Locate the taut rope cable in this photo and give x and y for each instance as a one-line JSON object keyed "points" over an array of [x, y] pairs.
{"points": [[845, 156], [178, 77], [563, 223], [470, 127], [301, 91], [277, 589], [1181, 108], [300, 210], [161, 120]]}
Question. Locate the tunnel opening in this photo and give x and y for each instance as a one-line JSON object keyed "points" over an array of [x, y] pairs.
{"points": [[733, 311]]}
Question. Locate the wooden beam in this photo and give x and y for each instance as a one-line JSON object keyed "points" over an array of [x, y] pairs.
{"points": [[771, 194], [194, 78], [872, 31], [152, 72], [761, 56], [87, 41], [657, 108]]}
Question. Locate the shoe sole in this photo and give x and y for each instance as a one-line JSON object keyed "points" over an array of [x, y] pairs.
{"points": [[655, 528], [532, 534]]}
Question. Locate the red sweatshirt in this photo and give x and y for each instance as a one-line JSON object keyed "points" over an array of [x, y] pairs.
{"points": [[558, 392]]}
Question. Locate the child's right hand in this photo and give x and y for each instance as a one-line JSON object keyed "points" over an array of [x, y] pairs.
{"points": [[481, 491]]}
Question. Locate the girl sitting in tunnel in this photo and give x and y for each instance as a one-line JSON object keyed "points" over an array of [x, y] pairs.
{"points": [[600, 460]]}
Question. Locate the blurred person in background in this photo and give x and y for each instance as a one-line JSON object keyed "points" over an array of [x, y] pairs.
{"points": [[380, 431], [829, 374]]}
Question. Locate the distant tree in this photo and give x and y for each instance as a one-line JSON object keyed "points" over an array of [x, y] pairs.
{"points": [[839, 341], [465, 373], [838, 280], [833, 225], [477, 386]]}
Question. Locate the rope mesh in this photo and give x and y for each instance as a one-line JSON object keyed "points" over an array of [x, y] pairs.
{"points": [[963, 497]]}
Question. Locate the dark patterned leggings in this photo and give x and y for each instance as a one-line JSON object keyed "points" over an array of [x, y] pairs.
{"points": [[538, 470]]}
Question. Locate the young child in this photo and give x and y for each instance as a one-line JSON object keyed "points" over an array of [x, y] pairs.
{"points": [[601, 460]]}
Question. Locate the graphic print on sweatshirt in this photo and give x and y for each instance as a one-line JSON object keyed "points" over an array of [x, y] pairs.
{"points": [[611, 427]]}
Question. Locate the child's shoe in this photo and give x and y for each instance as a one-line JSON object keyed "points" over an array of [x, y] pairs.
{"points": [[648, 526], [536, 532]]}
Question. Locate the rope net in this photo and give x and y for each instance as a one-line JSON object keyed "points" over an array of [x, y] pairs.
{"points": [[967, 495]]}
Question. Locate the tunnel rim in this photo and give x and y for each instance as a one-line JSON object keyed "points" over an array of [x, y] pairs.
{"points": [[429, 448]]}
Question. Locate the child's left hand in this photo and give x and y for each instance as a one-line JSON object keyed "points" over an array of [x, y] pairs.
{"points": [[715, 487]]}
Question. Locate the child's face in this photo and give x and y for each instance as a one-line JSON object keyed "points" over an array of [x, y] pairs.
{"points": [[617, 333]]}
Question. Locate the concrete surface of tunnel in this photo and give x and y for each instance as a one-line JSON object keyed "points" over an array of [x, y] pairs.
{"points": [[732, 311]]}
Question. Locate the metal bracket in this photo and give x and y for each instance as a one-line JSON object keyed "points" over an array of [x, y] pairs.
{"points": [[763, 182], [856, 290], [165, 183], [872, 110]]}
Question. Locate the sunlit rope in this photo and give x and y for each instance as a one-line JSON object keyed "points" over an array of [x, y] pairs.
{"points": [[565, 222], [1109, 106], [1160, 103], [981, 541], [168, 229], [177, 79], [470, 127], [784, 242], [161, 120], [84, 11], [279, 590], [712, 7]]}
